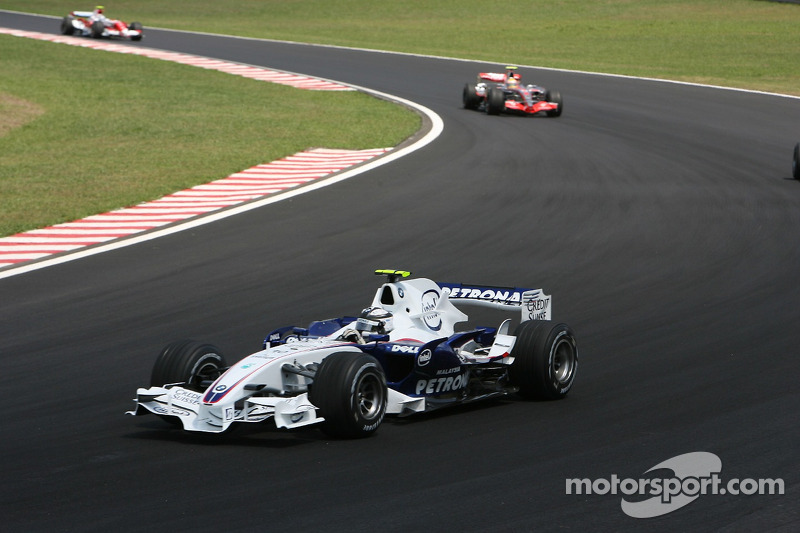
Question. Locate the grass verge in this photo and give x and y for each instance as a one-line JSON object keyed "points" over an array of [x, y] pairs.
{"points": [[87, 131], [752, 44]]}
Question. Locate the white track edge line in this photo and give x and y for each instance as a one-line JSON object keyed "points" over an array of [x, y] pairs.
{"points": [[437, 126]]}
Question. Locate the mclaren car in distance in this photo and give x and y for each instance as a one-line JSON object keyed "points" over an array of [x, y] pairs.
{"points": [[497, 92], [96, 24], [402, 355]]}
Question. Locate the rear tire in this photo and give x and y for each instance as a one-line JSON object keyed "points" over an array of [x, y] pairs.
{"points": [[189, 362], [796, 162], [350, 391], [66, 25], [545, 359], [97, 29], [469, 97], [555, 97]]}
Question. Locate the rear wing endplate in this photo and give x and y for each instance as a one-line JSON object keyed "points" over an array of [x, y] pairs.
{"points": [[533, 304]]}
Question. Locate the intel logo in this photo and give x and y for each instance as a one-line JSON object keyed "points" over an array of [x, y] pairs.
{"points": [[430, 314], [424, 357]]}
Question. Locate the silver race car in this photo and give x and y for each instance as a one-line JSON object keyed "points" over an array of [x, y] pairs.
{"points": [[497, 92]]}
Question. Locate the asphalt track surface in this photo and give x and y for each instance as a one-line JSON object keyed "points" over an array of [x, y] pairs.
{"points": [[661, 217]]}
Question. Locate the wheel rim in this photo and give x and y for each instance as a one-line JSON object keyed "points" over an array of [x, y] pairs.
{"points": [[369, 397], [205, 371], [563, 361]]}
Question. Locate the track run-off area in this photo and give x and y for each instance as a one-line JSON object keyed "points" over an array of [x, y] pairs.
{"points": [[245, 186]]}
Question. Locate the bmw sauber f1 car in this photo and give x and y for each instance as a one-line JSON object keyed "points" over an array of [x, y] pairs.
{"points": [[96, 24], [401, 356], [498, 92]]}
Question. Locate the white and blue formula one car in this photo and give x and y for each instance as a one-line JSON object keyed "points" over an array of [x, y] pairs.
{"points": [[402, 356]]}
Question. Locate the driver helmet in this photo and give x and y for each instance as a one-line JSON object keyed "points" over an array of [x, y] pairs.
{"points": [[512, 82], [98, 10], [375, 320]]}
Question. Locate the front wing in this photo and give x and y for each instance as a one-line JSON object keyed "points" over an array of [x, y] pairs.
{"points": [[185, 406], [537, 107]]}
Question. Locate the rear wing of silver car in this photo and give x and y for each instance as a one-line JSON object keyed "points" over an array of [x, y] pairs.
{"points": [[533, 304]]}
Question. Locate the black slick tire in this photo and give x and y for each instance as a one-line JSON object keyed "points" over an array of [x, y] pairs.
{"points": [[66, 25], [495, 101], [470, 99], [189, 362], [137, 26], [350, 391], [555, 97], [545, 359], [97, 29]]}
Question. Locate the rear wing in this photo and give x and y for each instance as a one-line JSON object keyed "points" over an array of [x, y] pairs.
{"points": [[533, 304], [492, 76]]}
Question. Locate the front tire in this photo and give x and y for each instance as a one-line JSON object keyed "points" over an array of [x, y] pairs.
{"points": [[350, 391], [98, 28], [555, 98], [495, 101], [137, 26], [545, 359], [190, 362], [796, 162]]}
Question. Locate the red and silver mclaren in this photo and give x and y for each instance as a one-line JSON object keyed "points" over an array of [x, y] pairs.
{"points": [[498, 92]]}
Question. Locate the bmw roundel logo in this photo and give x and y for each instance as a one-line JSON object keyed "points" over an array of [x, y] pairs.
{"points": [[220, 388]]}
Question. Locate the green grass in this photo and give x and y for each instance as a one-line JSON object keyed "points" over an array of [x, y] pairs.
{"points": [[92, 131], [62, 158], [743, 43]]}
